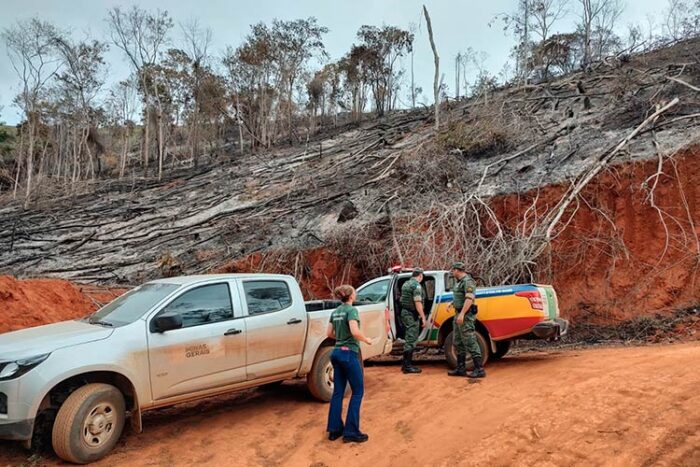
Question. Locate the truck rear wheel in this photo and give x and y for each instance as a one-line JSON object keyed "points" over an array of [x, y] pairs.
{"points": [[89, 423], [320, 378], [451, 353]]}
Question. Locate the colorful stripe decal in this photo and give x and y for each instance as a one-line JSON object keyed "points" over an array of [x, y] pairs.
{"points": [[489, 292]]}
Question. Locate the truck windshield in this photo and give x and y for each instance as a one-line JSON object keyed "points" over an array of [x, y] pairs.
{"points": [[132, 305]]}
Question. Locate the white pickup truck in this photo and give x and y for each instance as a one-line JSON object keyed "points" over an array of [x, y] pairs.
{"points": [[165, 342]]}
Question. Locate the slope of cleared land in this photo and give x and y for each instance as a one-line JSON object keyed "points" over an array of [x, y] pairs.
{"points": [[632, 230], [606, 406]]}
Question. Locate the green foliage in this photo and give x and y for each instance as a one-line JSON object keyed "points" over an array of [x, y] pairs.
{"points": [[6, 140], [373, 62], [4, 134]]}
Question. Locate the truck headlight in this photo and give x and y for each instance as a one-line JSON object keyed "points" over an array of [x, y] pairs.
{"points": [[11, 370]]}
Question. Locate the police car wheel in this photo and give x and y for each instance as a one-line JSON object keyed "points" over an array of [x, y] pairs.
{"points": [[451, 353], [89, 423]]}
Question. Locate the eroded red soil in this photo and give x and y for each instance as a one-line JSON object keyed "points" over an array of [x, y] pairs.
{"points": [[33, 302], [620, 257]]}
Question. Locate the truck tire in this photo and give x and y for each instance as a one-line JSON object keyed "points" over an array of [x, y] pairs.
{"points": [[451, 354], [320, 378], [89, 423], [502, 349]]}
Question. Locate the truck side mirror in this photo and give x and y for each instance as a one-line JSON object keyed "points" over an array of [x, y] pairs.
{"points": [[167, 322]]}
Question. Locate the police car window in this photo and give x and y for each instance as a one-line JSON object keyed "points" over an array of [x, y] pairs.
{"points": [[373, 293], [429, 286], [203, 305], [449, 282], [266, 296]]}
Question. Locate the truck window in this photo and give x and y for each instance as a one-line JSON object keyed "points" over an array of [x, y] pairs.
{"points": [[133, 304], [266, 296], [203, 305], [373, 293]]}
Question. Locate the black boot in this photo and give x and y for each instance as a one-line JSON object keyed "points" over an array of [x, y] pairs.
{"points": [[461, 369], [478, 371], [408, 363]]}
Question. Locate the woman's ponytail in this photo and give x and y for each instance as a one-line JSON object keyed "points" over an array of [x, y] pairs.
{"points": [[343, 292]]}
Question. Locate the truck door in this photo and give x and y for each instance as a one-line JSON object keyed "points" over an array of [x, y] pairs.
{"points": [[209, 351], [275, 325], [378, 291]]}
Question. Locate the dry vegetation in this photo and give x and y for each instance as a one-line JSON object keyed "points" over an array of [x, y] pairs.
{"points": [[386, 191], [370, 192]]}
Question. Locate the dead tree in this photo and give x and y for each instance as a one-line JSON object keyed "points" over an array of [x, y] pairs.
{"points": [[436, 79], [141, 35], [32, 55], [597, 17]]}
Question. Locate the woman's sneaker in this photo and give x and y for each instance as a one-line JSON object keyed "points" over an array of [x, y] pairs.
{"points": [[359, 438]]}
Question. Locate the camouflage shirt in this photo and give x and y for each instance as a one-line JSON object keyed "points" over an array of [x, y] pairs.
{"points": [[411, 291], [463, 289]]}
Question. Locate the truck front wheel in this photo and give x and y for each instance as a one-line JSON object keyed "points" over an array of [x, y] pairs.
{"points": [[89, 423], [320, 378], [451, 353]]}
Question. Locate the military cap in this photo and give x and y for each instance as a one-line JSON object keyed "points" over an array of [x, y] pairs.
{"points": [[459, 265]]}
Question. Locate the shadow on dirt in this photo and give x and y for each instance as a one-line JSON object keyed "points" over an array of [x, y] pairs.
{"points": [[184, 417], [243, 405], [15, 449], [276, 396]]}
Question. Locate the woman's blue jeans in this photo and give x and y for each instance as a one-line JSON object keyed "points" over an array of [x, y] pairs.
{"points": [[346, 369]]}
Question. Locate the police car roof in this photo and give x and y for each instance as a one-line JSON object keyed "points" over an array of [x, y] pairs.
{"points": [[407, 272]]}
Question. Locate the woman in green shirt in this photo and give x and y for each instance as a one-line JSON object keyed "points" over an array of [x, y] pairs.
{"points": [[344, 327]]}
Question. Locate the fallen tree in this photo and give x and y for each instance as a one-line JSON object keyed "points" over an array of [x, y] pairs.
{"points": [[342, 187]]}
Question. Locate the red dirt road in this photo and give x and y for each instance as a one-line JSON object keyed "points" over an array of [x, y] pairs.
{"points": [[609, 406]]}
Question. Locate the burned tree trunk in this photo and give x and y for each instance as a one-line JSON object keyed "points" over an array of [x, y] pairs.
{"points": [[436, 79]]}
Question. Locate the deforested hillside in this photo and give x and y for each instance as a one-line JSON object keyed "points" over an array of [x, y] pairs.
{"points": [[586, 181]]}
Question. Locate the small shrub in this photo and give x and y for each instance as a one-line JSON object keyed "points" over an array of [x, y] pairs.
{"points": [[477, 138]]}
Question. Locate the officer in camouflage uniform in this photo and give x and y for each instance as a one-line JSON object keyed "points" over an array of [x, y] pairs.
{"points": [[412, 317], [464, 332]]}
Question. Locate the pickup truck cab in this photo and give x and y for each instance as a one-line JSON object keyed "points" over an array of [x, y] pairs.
{"points": [[165, 342], [506, 313]]}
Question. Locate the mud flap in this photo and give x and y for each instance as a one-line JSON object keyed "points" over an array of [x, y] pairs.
{"points": [[492, 344], [136, 422]]}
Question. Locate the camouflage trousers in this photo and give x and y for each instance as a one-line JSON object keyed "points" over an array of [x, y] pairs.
{"points": [[464, 338], [412, 327]]}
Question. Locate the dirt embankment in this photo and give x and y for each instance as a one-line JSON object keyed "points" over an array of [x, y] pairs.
{"points": [[27, 303], [319, 270], [631, 247], [614, 406], [623, 254]]}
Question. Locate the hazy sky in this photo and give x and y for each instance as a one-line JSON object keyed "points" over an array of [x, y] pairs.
{"points": [[457, 24]]}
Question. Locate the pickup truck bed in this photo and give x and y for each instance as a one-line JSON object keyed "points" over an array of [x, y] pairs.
{"points": [[320, 305]]}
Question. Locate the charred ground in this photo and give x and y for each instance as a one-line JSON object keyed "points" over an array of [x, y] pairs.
{"points": [[340, 207]]}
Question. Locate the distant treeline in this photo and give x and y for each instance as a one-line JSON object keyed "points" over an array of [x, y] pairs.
{"points": [[181, 101]]}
